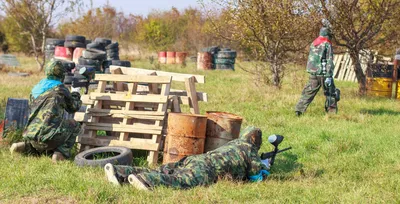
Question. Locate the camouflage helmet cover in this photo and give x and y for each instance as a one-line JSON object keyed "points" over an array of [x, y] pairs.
{"points": [[55, 70], [252, 135], [326, 32]]}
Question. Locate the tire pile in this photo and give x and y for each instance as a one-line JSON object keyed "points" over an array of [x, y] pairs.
{"points": [[224, 58], [50, 47]]}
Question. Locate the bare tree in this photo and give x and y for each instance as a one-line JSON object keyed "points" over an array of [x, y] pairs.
{"points": [[268, 30], [35, 17], [360, 25]]}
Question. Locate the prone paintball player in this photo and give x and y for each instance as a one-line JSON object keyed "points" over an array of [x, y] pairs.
{"points": [[47, 129], [320, 66], [237, 159]]}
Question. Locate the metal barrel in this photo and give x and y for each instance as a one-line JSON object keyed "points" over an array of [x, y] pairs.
{"points": [[162, 57], [222, 127], [379, 86], [204, 61], [186, 136], [171, 57], [180, 57]]}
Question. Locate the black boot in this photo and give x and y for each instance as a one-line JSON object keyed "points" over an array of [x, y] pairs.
{"points": [[298, 113]]}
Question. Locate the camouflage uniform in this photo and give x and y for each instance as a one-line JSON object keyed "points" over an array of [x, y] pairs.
{"points": [[237, 159], [47, 129], [320, 49]]}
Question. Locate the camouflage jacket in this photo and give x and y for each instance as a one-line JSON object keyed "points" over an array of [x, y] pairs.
{"points": [[47, 113], [319, 49], [238, 159]]}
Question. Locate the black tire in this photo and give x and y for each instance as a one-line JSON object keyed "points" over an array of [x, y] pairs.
{"points": [[88, 41], [106, 64], [225, 61], [121, 63], [104, 41], [84, 61], [85, 158], [50, 47], [226, 54], [97, 46], [68, 65], [107, 71], [112, 57], [55, 42], [77, 38], [225, 49], [112, 46], [94, 54], [225, 66], [74, 44]]}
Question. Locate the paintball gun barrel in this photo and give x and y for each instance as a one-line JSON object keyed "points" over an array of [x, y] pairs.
{"points": [[79, 81], [275, 140]]}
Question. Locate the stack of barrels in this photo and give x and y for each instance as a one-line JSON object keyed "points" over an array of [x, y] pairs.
{"points": [[190, 134], [172, 57]]}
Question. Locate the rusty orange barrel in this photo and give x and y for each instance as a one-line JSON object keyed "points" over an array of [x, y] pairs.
{"points": [[171, 57], [204, 61], [186, 136], [180, 57], [222, 127], [162, 57]]}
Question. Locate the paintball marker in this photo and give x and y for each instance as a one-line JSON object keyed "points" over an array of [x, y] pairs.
{"points": [[274, 140], [330, 91], [86, 74]]}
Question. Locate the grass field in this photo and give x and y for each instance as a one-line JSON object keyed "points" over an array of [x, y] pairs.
{"points": [[351, 157]]}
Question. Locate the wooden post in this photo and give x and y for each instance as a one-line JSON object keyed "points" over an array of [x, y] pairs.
{"points": [[191, 93], [395, 74]]}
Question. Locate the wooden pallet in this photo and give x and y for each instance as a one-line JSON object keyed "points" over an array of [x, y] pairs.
{"points": [[119, 114], [189, 96], [344, 69]]}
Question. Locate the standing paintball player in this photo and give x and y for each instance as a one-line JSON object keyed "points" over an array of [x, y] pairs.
{"points": [[237, 159], [320, 66], [47, 129]]}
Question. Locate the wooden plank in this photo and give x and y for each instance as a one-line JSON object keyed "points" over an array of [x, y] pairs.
{"points": [[201, 96], [132, 88], [133, 78], [337, 64], [94, 141], [175, 76], [191, 90], [123, 129], [129, 98], [118, 86], [123, 126], [136, 143], [86, 100], [81, 117], [125, 112]]}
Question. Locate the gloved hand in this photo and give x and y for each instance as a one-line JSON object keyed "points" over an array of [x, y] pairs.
{"points": [[259, 177], [328, 81], [266, 163], [75, 89]]}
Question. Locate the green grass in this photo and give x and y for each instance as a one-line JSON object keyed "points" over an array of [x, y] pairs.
{"points": [[351, 157]]}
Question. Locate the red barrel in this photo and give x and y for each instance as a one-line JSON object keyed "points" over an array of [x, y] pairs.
{"points": [[63, 53], [204, 60], [171, 57], [77, 54], [180, 57], [162, 57]]}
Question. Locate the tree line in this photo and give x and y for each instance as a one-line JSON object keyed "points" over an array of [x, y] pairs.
{"points": [[272, 33]]}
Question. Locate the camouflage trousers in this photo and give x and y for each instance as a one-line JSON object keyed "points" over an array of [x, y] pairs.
{"points": [[61, 142], [310, 91], [180, 175]]}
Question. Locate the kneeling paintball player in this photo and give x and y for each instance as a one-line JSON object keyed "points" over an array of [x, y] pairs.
{"points": [[237, 159], [47, 129]]}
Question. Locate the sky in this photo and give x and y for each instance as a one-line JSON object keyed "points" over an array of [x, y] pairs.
{"points": [[143, 7]]}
